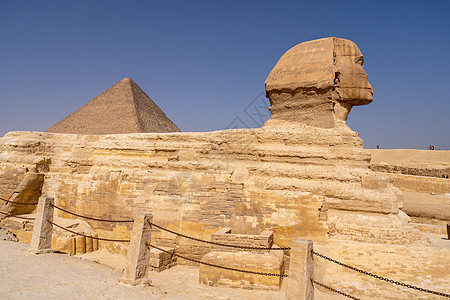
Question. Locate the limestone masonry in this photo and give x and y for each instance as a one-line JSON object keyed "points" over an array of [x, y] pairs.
{"points": [[303, 174]]}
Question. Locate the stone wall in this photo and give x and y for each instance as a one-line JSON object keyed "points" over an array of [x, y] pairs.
{"points": [[424, 266], [197, 183]]}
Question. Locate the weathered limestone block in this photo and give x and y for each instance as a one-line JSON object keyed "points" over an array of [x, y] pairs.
{"points": [[301, 271], [138, 251], [41, 241], [80, 242], [89, 245], [95, 243], [226, 237], [27, 191], [269, 262], [162, 260]]}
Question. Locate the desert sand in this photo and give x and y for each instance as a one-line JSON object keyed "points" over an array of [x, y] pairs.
{"points": [[422, 176], [60, 276]]}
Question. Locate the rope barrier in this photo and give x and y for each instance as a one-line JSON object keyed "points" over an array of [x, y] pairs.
{"points": [[171, 231], [334, 290], [217, 266], [380, 277], [9, 201], [92, 218], [88, 236], [18, 217], [215, 243], [224, 245]]}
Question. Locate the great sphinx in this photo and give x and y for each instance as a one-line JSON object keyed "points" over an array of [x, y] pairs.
{"points": [[304, 173]]}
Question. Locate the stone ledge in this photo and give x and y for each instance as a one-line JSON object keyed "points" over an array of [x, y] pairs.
{"points": [[224, 236]]}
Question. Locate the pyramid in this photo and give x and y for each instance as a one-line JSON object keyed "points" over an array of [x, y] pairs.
{"points": [[123, 108]]}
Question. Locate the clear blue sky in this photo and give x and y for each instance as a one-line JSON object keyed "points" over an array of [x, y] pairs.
{"points": [[203, 62]]}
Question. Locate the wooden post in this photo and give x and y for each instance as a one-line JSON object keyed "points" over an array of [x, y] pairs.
{"points": [[41, 241], [138, 252], [301, 271]]}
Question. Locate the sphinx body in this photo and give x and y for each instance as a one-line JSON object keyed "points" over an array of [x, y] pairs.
{"points": [[303, 174]]}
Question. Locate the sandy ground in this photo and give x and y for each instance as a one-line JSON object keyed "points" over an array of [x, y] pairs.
{"points": [[426, 205], [429, 207], [24, 275], [411, 157]]}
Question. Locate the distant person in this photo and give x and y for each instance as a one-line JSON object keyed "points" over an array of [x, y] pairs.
{"points": [[378, 146]]}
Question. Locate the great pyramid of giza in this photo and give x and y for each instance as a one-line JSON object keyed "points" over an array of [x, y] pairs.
{"points": [[123, 108]]}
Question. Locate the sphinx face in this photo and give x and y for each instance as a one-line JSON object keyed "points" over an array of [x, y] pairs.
{"points": [[317, 83], [351, 80]]}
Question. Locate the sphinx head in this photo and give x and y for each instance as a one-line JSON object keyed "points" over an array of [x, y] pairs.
{"points": [[318, 82]]}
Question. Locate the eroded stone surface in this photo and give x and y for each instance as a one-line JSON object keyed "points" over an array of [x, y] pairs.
{"points": [[138, 250], [225, 236], [43, 226], [301, 271], [317, 83]]}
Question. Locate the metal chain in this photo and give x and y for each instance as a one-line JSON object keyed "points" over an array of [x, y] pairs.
{"points": [[91, 218], [381, 278], [217, 266], [18, 217], [334, 290], [88, 236], [165, 229], [215, 243], [8, 201]]}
